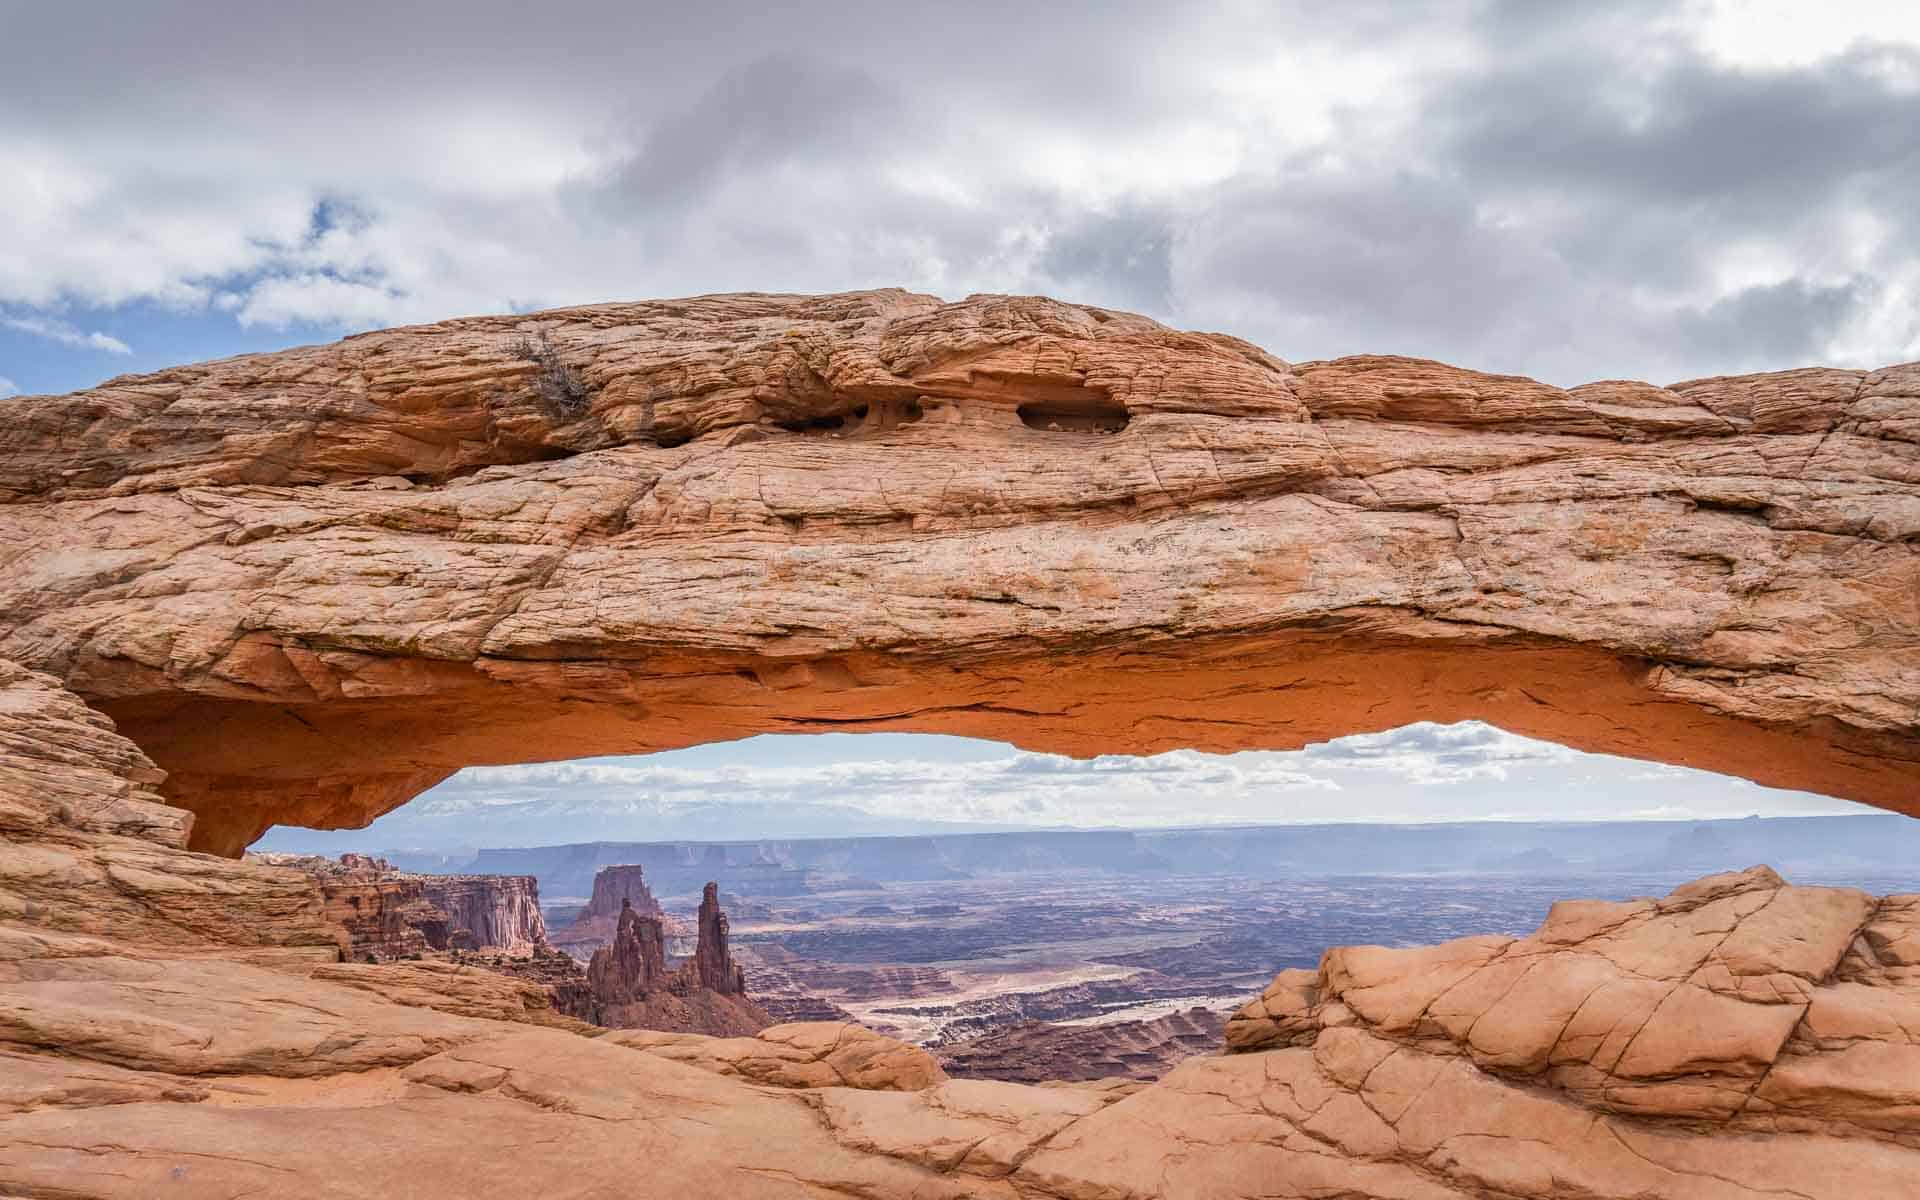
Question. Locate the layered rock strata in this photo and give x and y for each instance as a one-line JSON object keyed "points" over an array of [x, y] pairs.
{"points": [[1039, 1051], [391, 914], [634, 965], [90, 857], [386, 914], [615, 888], [713, 963], [489, 912], [1061, 526], [1737, 1001]]}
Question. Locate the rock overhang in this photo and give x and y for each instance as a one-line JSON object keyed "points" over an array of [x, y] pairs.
{"points": [[310, 584]]}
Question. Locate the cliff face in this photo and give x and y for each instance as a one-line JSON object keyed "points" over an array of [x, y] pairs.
{"points": [[1064, 527], [392, 914], [489, 912]]}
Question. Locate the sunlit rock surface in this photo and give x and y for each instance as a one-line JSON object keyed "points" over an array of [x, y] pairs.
{"points": [[1061, 526]]}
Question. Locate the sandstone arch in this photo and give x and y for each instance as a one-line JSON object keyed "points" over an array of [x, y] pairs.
{"points": [[311, 584]]}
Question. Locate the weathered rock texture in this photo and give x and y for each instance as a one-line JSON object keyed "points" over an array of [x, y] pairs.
{"points": [[167, 1029], [805, 1054], [1065, 527], [90, 856], [386, 913], [1736, 1000], [634, 965], [713, 963]]}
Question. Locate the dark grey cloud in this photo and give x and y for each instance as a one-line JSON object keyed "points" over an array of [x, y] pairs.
{"points": [[760, 117]]}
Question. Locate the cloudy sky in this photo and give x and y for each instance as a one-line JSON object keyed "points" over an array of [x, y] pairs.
{"points": [[1572, 191], [884, 783], [1652, 190]]}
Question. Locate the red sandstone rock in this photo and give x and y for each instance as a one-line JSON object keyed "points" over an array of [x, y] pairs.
{"points": [[614, 888], [633, 988], [713, 964], [1264, 553], [636, 963], [810, 1054], [392, 914], [129, 1071], [1060, 526], [494, 912]]}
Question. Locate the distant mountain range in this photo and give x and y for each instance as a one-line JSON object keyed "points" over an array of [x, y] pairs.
{"points": [[1881, 848]]}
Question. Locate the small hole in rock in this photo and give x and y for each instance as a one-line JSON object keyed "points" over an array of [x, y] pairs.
{"points": [[1092, 414], [827, 424]]}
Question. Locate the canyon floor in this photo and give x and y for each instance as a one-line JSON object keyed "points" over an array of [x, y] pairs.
{"points": [[1068, 954]]}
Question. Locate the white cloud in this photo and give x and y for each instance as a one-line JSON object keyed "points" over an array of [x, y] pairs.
{"points": [[781, 786], [65, 334], [8, 388]]}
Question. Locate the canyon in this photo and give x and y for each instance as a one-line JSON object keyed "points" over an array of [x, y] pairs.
{"points": [[299, 588]]}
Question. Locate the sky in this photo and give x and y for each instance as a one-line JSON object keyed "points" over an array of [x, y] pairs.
{"points": [[1569, 191], [840, 784], [1638, 189]]}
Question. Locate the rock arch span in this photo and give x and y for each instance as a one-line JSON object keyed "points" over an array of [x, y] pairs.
{"points": [[311, 584]]}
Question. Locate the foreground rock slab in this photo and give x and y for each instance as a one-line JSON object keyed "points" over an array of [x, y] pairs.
{"points": [[1061, 526]]}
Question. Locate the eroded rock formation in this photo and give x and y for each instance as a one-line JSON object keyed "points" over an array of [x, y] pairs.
{"points": [[90, 857], [1060, 526], [615, 888], [634, 965], [1735, 1000], [633, 987], [490, 912], [392, 914], [1064, 527], [713, 963]]}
